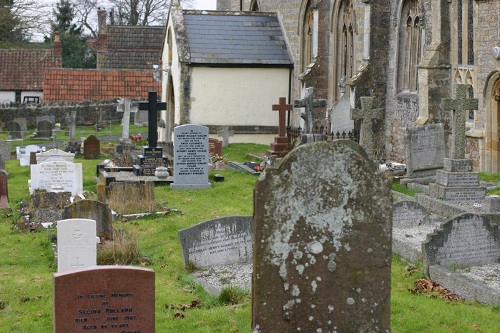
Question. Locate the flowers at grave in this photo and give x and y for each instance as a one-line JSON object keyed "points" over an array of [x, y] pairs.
{"points": [[214, 158], [135, 137]]}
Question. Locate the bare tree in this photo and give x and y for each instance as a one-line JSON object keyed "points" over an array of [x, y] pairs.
{"points": [[30, 18]]}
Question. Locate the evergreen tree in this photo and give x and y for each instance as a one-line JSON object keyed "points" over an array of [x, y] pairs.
{"points": [[11, 31]]}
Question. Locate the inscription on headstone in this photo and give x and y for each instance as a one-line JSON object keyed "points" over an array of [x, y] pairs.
{"points": [[48, 174], [190, 157], [409, 214], [322, 249], [220, 241], [426, 148], [464, 240], [105, 299]]}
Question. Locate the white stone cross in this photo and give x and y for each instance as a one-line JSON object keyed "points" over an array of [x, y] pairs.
{"points": [[225, 133]]}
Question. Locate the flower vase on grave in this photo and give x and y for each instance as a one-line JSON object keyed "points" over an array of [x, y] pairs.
{"points": [[220, 165]]}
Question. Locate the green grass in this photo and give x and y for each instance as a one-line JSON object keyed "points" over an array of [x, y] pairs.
{"points": [[27, 265], [396, 186]]}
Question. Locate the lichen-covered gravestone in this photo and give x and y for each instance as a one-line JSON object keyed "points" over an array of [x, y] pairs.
{"points": [[322, 249]]}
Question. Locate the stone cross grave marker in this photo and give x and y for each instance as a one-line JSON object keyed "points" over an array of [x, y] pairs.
{"points": [[309, 103], [71, 120], [190, 157], [152, 105], [282, 108], [124, 106], [4, 193], [223, 240], [322, 249], [105, 299], [76, 244], [225, 133], [459, 106], [366, 114]]}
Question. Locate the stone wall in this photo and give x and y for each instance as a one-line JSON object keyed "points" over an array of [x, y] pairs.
{"points": [[86, 111]]}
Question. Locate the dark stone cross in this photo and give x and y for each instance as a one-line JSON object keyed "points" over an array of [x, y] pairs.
{"points": [[152, 106], [309, 103], [459, 106], [282, 107], [366, 114]]}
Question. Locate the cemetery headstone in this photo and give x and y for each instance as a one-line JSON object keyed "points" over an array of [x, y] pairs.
{"points": [[214, 147], [341, 117], [366, 115], [76, 244], [141, 117], [72, 145], [24, 155], [425, 150], [464, 240], [280, 147], [457, 181], [4, 192], [223, 240], [57, 173], [5, 150], [152, 155], [322, 243], [54, 155], [91, 147], [225, 133], [105, 299], [190, 157], [409, 214], [93, 210], [44, 126], [17, 128]]}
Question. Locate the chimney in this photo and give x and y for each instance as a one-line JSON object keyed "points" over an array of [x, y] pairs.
{"points": [[101, 21], [102, 36], [57, 48]]}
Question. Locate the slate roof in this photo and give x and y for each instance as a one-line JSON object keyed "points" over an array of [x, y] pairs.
{"points": [[131, 47], [222, 38], [24, 69], [78, 85]]}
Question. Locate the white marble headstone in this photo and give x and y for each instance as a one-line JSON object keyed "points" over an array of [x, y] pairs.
{"points": [[49, 175], [24, 156], [54, 155], [76, 244]]}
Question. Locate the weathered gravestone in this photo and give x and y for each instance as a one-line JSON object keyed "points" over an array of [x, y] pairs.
{"points": [[465, 240], [223, 240], [44, 126], [17, 128], [322, 249], [60, 175], [425, 150], [91, 147], [409, 214], [76, 244], [94, 210], [105, 299], [4, 193], [5, 150], [190, 157], [54, 155], [367, 115]]}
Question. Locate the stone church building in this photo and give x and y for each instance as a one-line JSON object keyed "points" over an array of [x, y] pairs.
{"points": [[407, 54]]}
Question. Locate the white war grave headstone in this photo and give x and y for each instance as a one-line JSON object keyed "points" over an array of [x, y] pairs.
{"points": [[322, 249], [190, 157], [57, 175], [76, 244]]}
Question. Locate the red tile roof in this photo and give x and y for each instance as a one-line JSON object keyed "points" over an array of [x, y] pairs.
{"points": [[24, 69], [62, 85]]}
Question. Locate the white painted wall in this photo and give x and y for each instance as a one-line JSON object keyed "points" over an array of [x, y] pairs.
{"points": [[237, 96], [7, 96]]}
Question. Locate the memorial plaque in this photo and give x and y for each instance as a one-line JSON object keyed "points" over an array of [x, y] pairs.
{"points": [[447, 178], [453, 164], [409, 214], [426, 148], [190, 157], [105, 299], [48, 174], [464, 194], [220, 241], [464, 240]]}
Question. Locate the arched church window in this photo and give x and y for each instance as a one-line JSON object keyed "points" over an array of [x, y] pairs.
{"points": [[410, 46], [344, 32], [308, 36], [465, 32]]}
